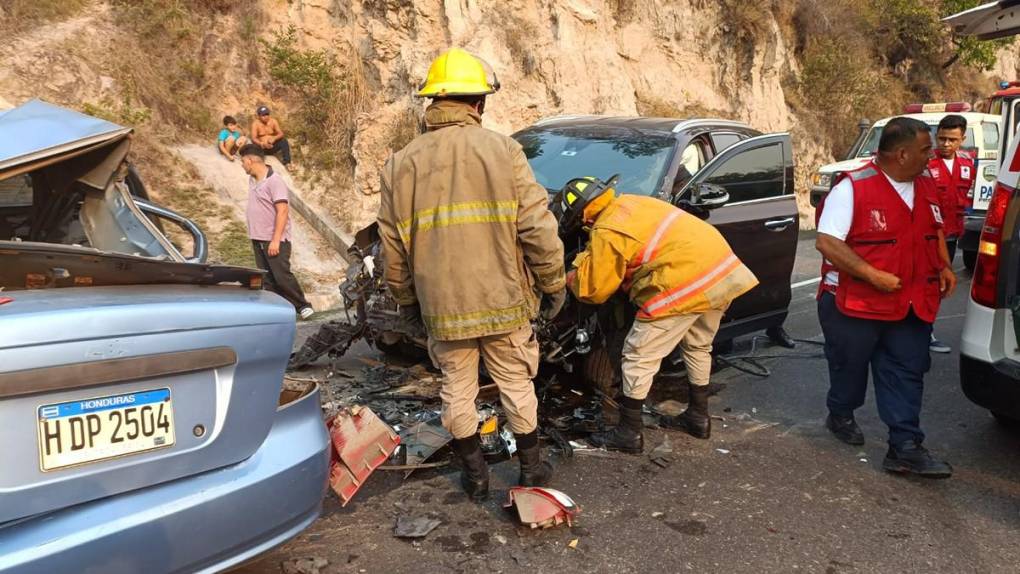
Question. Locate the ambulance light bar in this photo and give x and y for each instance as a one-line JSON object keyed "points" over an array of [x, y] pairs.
{"points": [[942, 107]]}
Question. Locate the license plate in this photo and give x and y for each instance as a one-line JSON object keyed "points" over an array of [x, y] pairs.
{"points": [[91, 430]]}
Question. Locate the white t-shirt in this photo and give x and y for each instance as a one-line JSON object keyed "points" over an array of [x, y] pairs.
{"points": [[949, 163], [838, 214]]}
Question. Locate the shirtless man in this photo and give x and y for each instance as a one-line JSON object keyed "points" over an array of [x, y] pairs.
{"points": [[266, 132]]}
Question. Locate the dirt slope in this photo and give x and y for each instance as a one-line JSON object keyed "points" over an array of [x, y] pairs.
{"points": [[314, 261]]}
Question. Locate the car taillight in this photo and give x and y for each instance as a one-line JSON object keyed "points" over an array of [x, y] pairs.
{"points": [[984, 286]]}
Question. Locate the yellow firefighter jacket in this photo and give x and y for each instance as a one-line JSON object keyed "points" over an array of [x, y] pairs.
{"points": [[467, 232], [669, 261]]}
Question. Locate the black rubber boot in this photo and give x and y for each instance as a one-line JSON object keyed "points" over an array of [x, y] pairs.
{"points": [[534, 470], [845, 429], [694, 421], [779, 336], [625, 436], [474, 475], [912, 458]]}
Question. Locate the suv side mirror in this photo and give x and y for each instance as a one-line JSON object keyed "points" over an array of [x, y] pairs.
{"points": [[709, 196]]}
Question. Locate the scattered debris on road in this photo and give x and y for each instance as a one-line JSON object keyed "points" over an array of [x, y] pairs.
{"points": [[542, 507], [414, 527], [660, 455], [423, 440], [312, 565], [361, 442]]}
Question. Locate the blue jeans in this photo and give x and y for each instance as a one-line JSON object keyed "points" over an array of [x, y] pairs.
{"points": [[897, 354]]}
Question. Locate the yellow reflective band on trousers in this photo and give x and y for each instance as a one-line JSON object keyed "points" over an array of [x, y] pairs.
{"points": [[456, 325], [459, 214]]}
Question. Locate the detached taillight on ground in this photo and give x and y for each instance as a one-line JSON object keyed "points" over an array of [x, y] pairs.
{"points": [[984, 287]]}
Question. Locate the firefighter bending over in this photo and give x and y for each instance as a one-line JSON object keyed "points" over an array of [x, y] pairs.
{"points": [[681, 274]]}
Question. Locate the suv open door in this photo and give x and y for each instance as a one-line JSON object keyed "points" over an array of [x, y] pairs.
{"points": [[759, 219], [988, 21]]}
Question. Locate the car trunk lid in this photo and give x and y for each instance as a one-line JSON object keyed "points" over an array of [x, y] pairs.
{"points": [[186, 376]]}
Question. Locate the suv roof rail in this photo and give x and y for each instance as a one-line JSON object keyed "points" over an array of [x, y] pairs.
{"points": [[708, 121], [562, 117]]}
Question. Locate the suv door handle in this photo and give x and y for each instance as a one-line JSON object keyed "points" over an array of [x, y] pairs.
{"points": [[779, 224]]}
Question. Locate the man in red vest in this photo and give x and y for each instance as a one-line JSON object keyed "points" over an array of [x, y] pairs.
{"points": [[886, 269], [954, 178]]}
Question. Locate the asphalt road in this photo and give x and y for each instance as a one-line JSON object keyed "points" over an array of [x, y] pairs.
{"points": [[771, 491]]}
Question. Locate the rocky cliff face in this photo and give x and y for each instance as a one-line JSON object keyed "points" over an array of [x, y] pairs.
{"points": [[677, 58], [682, 58]]}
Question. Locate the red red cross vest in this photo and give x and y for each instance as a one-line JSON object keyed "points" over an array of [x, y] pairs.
{"points": [[890, 237], [953, 188]]}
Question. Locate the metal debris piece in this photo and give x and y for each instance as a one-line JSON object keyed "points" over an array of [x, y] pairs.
{"points": [[333, 338], [361, 442], [311, 565], [660, 454], [669, 408], [423, 440], [414, 527], [542, 507], [722, 451], [509, 440], [488, 430], [573, 543], [561, 442]]}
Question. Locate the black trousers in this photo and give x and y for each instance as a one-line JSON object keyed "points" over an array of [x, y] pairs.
{"points": [[281, 149], [951, 246], [279, 278], [897, 354]]}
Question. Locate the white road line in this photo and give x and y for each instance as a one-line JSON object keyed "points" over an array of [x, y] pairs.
{"points": [[805, 283]]}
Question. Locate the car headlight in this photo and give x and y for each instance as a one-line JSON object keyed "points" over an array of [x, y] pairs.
{"points": [[822, 179]]}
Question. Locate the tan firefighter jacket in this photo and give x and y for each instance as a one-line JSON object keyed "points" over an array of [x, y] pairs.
{"points": [[669, 261], [467, 232]]}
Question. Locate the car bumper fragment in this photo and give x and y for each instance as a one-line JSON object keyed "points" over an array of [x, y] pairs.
{"points": [[362, 441]]}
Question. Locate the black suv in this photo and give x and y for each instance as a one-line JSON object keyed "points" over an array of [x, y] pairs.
{"points": [[685, 162]]}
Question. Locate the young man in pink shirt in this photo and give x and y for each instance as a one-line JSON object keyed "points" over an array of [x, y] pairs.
{"points": [[269, 227]]}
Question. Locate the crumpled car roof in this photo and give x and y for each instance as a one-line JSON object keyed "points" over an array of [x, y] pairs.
{"points": [[38, 129]]}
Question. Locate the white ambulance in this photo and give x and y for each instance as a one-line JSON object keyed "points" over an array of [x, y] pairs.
{"points": [[981, 144]]}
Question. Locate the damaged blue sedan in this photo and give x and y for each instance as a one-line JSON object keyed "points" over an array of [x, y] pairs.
{"points": [[143, 422]]}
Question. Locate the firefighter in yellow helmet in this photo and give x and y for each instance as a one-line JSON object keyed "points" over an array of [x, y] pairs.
{"points": [[681, 274], [471, 247]]}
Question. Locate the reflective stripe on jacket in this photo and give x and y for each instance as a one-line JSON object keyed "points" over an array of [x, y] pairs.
{"points": [[669, 261], [892, 238], [467, 232]]}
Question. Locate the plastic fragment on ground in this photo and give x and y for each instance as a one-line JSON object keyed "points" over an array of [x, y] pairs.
{"points": [[542, 507], [361, 442], [414, 527], [423, 440]]}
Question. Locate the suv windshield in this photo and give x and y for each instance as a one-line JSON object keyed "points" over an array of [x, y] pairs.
{"points": [[558, 155], [871, 143]]}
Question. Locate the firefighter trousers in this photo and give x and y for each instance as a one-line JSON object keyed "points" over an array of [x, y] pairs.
{"points": [[649, 342], [511, 359]]}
